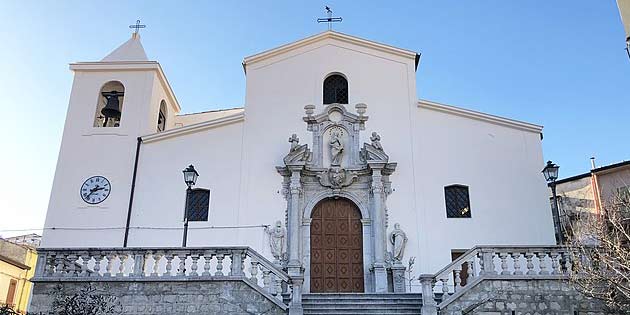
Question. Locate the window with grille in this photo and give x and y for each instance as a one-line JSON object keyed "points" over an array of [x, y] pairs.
{"points": [[198, 204], [457, 201], [335, 89]]}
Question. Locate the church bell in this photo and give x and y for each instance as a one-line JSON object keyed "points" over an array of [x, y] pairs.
{"points": [[112, 107]]}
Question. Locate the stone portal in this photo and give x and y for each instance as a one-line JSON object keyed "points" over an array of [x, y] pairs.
{"points": [[336, 247]]}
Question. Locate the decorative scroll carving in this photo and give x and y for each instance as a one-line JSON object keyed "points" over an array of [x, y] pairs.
{"points": [[299, 154], [336, 177]]}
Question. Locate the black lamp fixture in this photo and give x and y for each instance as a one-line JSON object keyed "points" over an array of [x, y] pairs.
{"points": [[190, 178], [550, 171]]}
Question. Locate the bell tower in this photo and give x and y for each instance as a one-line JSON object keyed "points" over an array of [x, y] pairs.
{"points": [[113, 103]]}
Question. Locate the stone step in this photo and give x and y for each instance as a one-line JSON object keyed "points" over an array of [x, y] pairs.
{"points": [[362, 303]]}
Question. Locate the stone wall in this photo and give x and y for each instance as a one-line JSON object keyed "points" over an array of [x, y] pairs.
{"points": [[165, 297], [521, 297]]}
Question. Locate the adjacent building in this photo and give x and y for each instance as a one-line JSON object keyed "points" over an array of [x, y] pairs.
{"points": [[17, 267], [590, 192]]}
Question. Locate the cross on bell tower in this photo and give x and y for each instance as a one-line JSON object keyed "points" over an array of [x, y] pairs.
{"points": [[137, 26], [330, 19]]}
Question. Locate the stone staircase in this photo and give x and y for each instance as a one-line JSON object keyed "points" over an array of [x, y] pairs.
{"points": [[362, 303]]}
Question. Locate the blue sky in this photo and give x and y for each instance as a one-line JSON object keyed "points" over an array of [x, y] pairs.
{"points": [[557, 63]]}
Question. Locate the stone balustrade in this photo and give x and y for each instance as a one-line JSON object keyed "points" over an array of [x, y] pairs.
{"points": [[496, 262], [163, 264]]}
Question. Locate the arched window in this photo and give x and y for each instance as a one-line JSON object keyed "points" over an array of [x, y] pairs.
{"points": [[335, 89], [457, 201], [161, 123], [110, 105]]}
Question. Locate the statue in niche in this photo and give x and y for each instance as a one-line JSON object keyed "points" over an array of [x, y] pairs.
{"points": [[336, 147], [277, 242], [376, 141], [398, 238]]}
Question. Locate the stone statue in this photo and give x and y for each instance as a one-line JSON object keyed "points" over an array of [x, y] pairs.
{"points": [[376, 141], [337, 176], [398, 238], [277, 242], [336, 148], [295, 141]]}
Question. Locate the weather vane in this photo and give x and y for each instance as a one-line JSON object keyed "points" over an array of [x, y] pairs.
{"points": [[330, 19], [137, 26]]}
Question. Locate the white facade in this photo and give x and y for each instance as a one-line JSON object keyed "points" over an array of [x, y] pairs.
{"points": [[236, 153]]}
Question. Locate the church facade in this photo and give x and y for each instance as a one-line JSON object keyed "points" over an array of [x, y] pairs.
{"points": [[332, 142]]}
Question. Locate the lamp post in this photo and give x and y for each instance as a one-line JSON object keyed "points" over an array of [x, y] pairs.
{"points": [[551, 174], [190, 177]]}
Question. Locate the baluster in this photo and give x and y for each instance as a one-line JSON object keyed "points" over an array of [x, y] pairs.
{"points": [[220, 257], [278, 288], [504, 265], [72, 261], [254, 271], [542, 262], [555, 265], [193, 265], [266, 279], [110, 262], [121, 267], [169, 264], [156, 264], [181, 269], [97, 264], [59, 264], [457, 280], [481, 267], [471, 270], [207, 256], [85, 257], [50, 264], [530, 264], [444, 285], [516, 257]]}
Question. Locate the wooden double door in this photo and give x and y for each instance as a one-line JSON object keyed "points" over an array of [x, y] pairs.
{"points": [[336, 247]]}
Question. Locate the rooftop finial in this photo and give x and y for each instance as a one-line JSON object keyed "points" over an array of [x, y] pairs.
{"points": [[330, 19], [137, 26]]}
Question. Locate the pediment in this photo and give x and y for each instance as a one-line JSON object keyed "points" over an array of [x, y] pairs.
{"points": [[340, 39]]}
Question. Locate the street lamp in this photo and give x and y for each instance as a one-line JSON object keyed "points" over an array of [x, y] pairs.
{"points": [[190, 178], [551, 174]]}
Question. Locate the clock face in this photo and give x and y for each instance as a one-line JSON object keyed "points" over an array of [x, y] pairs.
{"points": [[95, 190]]}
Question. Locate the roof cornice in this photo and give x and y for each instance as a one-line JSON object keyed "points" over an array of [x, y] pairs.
{"points": [[328, 35], [129, 66], [222, 121], [507, 122]]}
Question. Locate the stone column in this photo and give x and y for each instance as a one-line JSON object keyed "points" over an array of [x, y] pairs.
{"points": [[293, 235], [429, 306], [295, 307], [380, 274]]}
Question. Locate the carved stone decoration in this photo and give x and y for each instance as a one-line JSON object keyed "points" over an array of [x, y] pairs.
{"points": [[295, 141], [376, 141], [277, 242], [338, 167], [398, 239], [336, 177], [336, 147]]}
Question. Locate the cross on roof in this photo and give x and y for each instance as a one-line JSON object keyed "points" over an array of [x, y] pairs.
{"points": [[330, 19], [294, 140], [137, 26]]}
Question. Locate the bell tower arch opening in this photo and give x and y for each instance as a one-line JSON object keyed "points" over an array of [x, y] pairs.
{"points": [[336, 247], [109, 105]]}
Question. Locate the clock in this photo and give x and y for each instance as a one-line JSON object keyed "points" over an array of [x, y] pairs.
{"points": [[95, 190]]}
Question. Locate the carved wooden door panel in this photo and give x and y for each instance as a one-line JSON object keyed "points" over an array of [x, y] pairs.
{"points": [[336, 247]]}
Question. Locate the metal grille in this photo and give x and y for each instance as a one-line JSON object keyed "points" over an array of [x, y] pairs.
{"points": [[457, 201], [335, 90], [198, 204]]}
